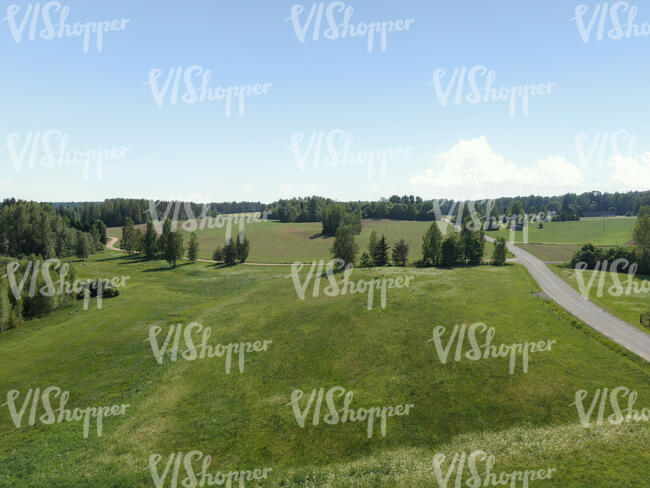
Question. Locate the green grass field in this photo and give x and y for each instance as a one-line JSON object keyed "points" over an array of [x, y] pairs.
{"points": [[558, 241], [278, 242], [615, 231], [553, 252], [244, 419], [627, 307]]}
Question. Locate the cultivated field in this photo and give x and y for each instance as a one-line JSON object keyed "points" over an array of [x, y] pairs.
{"points": [[245, 420]]}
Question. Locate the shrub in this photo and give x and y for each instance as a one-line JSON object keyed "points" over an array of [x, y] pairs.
{"points": [[217, 255], [366, 261], [588, 254], [500, 252], [92, 286]]}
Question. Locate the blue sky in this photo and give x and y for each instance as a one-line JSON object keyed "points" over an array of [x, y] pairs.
{"points": [[381, 101]]}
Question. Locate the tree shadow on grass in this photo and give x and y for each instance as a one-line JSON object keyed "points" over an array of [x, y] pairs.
{"points": [[136, 259], [114, 258], [165, 268]]}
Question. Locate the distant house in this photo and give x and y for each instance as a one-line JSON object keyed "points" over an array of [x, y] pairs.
{"points": [[492, 226]]}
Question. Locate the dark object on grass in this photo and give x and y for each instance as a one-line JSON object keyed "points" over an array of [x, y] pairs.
{"points": [[94, 287], [645, 319]]}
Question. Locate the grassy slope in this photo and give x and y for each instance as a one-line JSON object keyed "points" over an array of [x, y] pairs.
{"points": [[381, 355], [626, 307], [277, 242]]}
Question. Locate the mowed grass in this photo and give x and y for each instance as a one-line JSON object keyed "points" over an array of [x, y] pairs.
{"points": [[278, 242], [627, 306], [612, 231], [244, 421]]}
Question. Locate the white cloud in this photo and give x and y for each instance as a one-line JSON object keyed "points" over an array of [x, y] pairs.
{"points": [[473, 168], [629, 173]]}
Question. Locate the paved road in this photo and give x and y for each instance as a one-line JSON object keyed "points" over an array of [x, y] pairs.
{"points": [[595, 317]]}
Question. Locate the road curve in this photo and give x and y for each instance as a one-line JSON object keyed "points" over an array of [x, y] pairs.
{"points": [[563, 294]]}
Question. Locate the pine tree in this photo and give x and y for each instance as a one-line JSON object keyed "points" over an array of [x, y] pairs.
{"points": [[82, 248], [473, 244], [400, 253], [372, 245], [128, 235], [101, 227], [193, 247], [165, 237], [451, 254], [499, 254], [432, 246], [174, 248], [230, 252], [150, 241], [381, 258], [138, 240], [243, 247]]}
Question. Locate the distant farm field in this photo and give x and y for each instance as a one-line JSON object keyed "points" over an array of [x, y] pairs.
{"points": [[553, 252], [612, 231], [245, 420], [278, 242]]}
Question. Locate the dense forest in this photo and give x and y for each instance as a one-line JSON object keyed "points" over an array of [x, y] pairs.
{"points": [[31, 228], [564, 207], [113, 212]]}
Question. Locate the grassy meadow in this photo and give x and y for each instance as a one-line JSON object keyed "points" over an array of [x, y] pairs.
{"points": [[244, 420], [278, 242], [558, 241], [612, 231]]}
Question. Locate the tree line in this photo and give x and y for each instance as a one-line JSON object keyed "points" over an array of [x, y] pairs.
{"points": [[466, 247], [113, 212], [569, 206]]}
